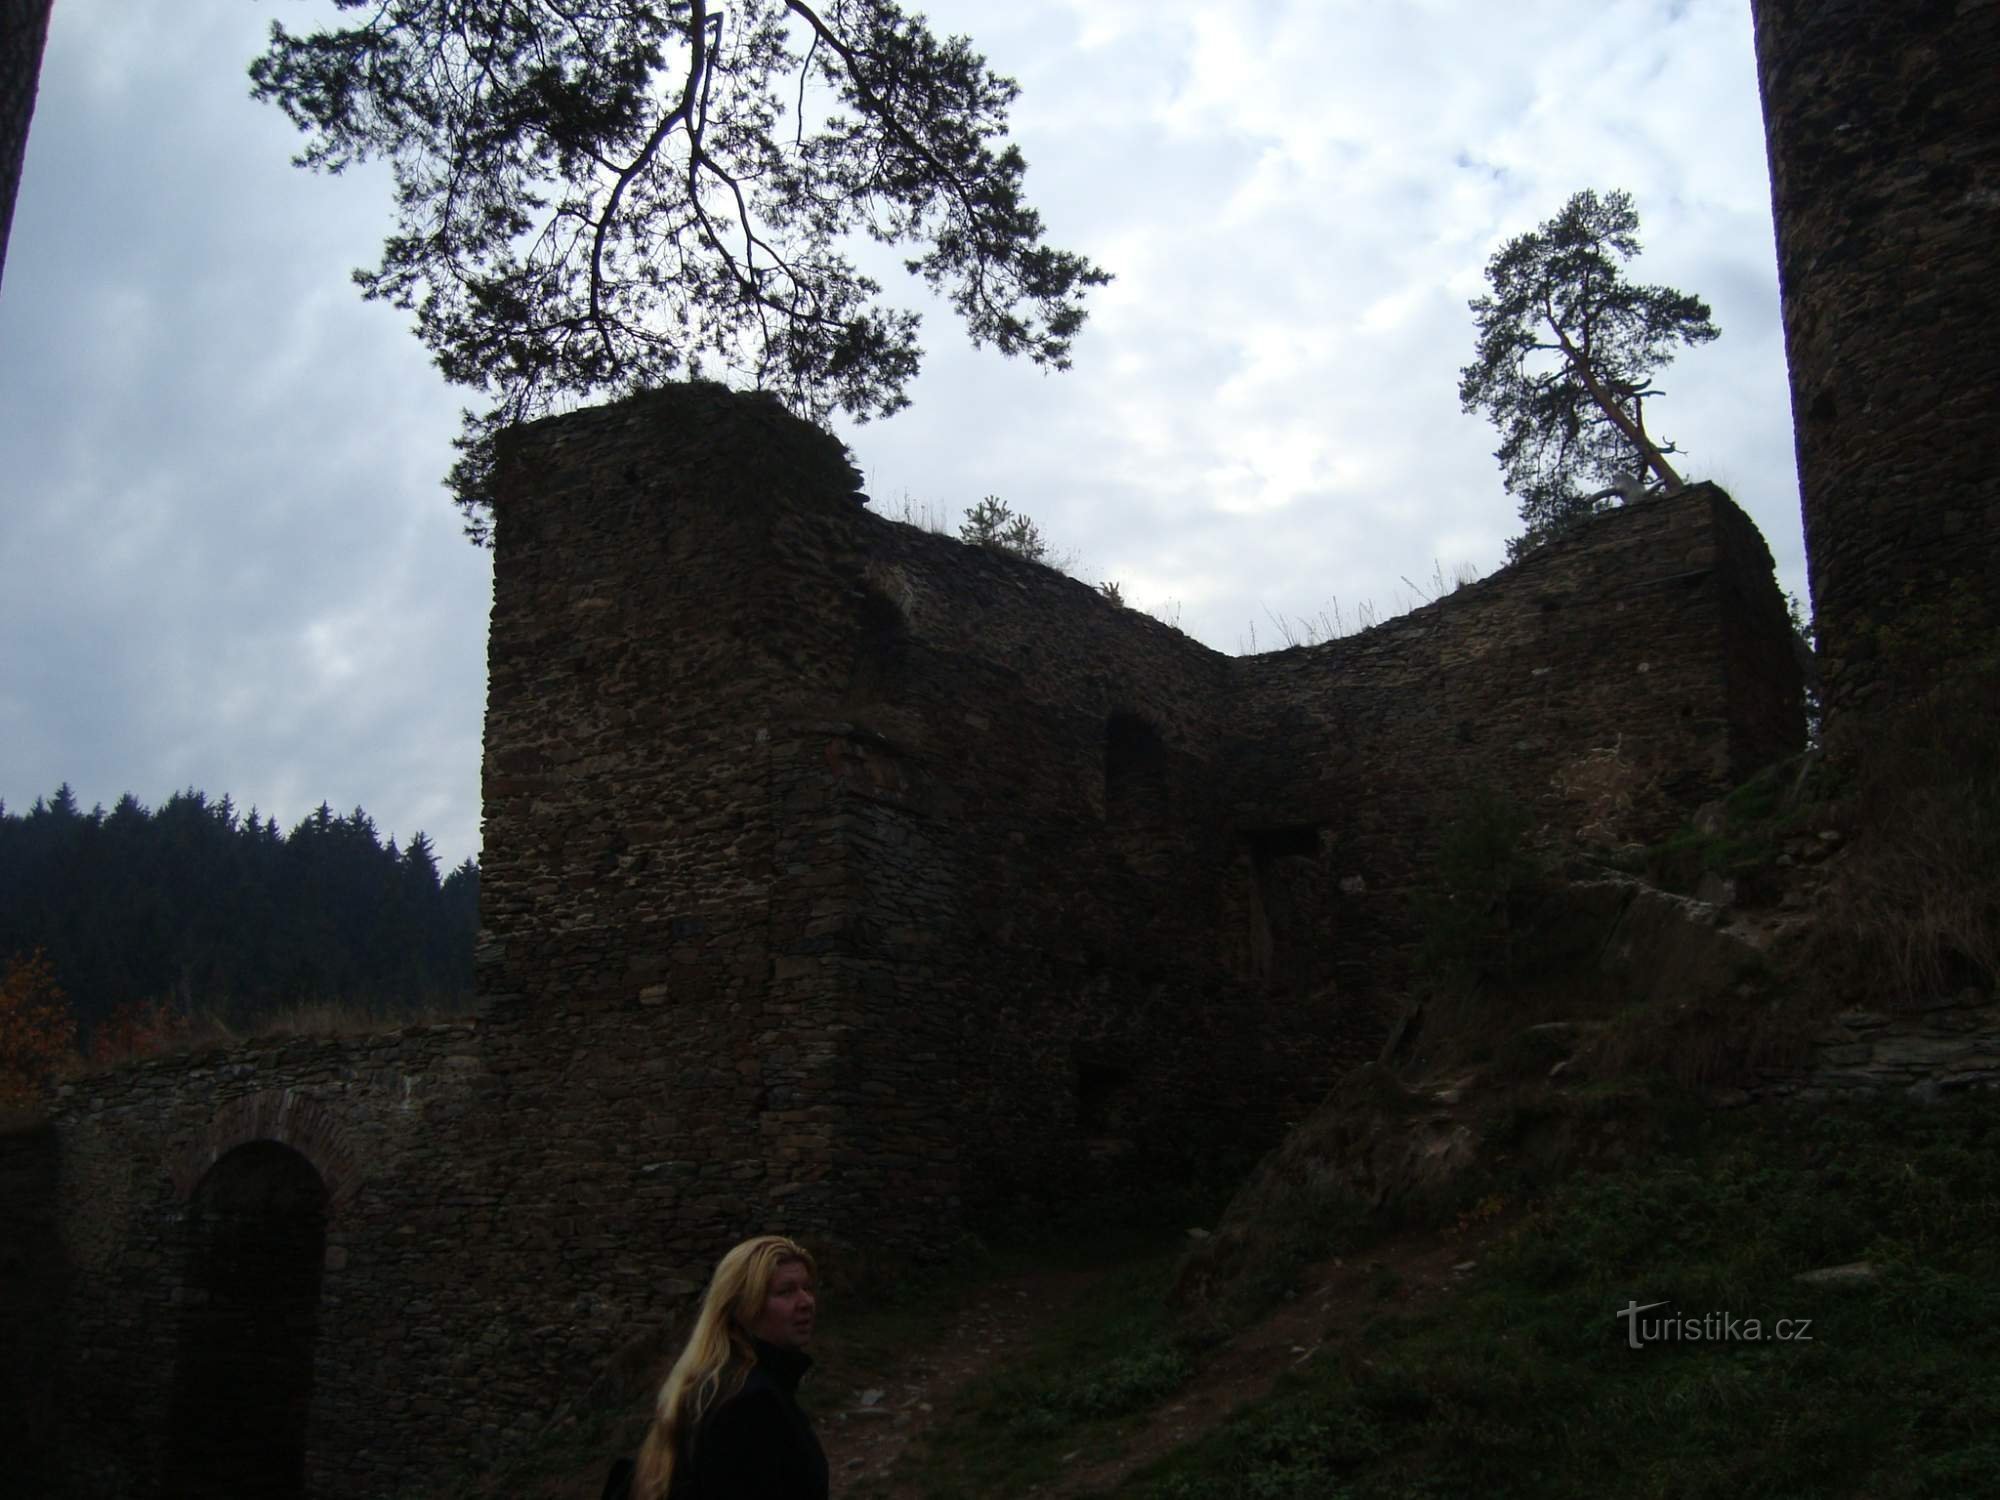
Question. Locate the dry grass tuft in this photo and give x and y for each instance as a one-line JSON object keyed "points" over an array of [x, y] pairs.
{"points": [[156, 1031], [1913, 910], [1600, 792]]}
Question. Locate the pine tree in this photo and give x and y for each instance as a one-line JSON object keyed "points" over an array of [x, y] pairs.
{"points": [[991, 523], [1564, 361], [594, 199]]}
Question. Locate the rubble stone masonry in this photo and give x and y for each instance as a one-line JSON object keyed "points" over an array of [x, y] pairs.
{"points": [[1883, 125], [842, 878]]}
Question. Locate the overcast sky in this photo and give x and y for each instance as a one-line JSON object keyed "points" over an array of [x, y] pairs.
{"points": [[228, 561]]}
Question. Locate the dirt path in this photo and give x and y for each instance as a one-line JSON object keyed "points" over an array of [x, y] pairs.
{"points": [[865, 1443], [1339, 1296]]}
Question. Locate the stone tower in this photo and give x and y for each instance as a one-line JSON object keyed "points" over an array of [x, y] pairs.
{"points": [[1882, 119]]}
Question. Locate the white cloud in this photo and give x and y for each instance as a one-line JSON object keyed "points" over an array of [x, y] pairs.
{"points": [[224, 530]]}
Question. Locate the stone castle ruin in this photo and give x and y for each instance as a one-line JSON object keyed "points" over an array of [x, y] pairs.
{"points": [[841, 877]]}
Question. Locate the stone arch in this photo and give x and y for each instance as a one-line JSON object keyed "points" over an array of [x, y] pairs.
{"points": [[284, 1116], [254, 1250]]}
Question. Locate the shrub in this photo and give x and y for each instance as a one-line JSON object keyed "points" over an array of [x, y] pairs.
{"points": [[1127, 1383], [991, 523], [138, 1028], [37, 1030]]}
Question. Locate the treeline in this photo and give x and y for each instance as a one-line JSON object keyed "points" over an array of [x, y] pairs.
{"points": [[215, 913]]}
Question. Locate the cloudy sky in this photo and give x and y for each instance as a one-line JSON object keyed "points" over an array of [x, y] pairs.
{"points": [[226, 560]]}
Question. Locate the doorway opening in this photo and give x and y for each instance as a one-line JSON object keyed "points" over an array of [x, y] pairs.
{"points": [[256, 1246]]}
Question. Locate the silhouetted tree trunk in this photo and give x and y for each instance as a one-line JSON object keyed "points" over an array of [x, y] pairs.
{"points": [[24, 27]]}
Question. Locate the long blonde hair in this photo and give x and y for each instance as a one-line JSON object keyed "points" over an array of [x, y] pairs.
{"points": [[717, 1348]]}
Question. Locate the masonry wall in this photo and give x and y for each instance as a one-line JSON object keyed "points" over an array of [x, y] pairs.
{"points": [[1028, 780], [842, 879], [1608, 685], [1949, 1043], [917, 834], [650, 872], [907, 832], [400, 1129], [499, 1225], [1883, 125]]}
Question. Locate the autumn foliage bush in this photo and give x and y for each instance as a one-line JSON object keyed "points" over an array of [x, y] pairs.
{"points": [[138, 1028], [37, 1030]]}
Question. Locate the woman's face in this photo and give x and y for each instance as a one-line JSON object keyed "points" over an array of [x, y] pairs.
{"points": [[787, 1318]]}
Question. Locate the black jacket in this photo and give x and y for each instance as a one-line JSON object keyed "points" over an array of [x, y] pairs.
{"points": [[753, 1445], [757, 1444]]}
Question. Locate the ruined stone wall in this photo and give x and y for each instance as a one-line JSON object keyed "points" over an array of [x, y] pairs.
{"points": [[1883, 125], [914, 833], [884, 832], [1040, 857], [401, 1129], [1608, 685], [1949, 1043], [845, 880], [647, 880], [499, 1225]]}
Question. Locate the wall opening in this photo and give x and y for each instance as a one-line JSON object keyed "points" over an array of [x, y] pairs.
{"points": [[1135, 770], [1284, 903], [256, 1245], [1102, 1092], [1138, 812], [34, 1291], [881, 648], [1135, 779], [1287, 841]]}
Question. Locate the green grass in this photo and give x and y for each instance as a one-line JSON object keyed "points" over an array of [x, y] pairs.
{"points": [[1522, 1382], [1114, 1356], [1525, 1384], [1756, 819]]}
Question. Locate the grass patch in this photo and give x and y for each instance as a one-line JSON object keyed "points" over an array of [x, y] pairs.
{"points": [[1115, 1356], [1114, 1387], [1741, 840], [1525, 1384], [1232, 1283], [1109, 1361]]}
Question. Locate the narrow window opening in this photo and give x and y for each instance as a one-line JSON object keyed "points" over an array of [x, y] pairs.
{"points": [[1135, 769], [1101, 1091], [881, 650], [1286, 841], [1281, 904]]}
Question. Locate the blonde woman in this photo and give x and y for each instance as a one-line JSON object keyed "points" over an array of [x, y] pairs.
{"points": [[727, 1424]]}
